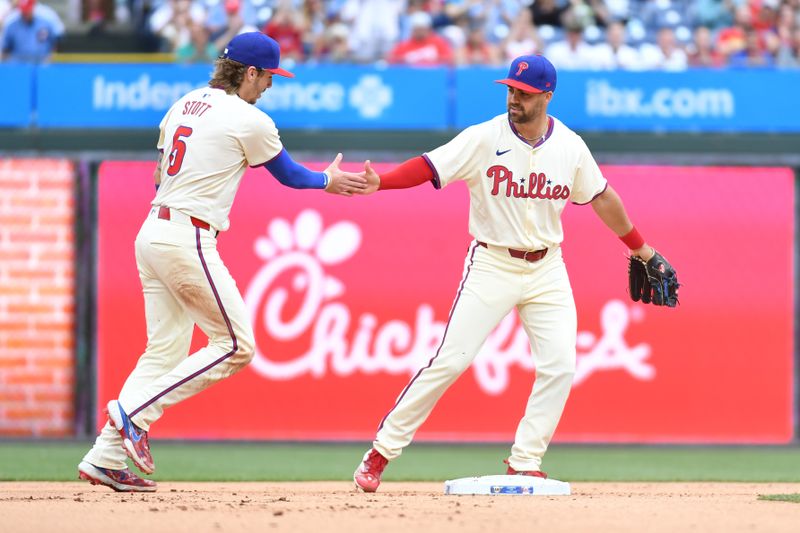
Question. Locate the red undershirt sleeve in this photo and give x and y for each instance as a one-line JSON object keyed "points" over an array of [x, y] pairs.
{"points": [[408, 174]]}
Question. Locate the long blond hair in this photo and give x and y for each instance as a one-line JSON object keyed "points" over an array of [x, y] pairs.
{"points": [[228, 75]]}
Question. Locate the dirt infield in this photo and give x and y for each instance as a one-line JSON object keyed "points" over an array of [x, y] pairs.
{"points": [[399, 507]]}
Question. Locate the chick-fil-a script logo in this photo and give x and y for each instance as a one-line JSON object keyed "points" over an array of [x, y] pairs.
{"points": [[306, 247]]}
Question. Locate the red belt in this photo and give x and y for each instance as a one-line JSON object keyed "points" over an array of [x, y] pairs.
{"points": [[163, 213], [528, 255]]}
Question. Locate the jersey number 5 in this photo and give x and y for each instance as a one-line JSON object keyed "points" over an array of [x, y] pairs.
{"points": [[178, 149]]}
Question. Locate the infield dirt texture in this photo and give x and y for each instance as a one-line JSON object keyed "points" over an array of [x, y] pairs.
{"points": [[317, 507], [277, 487]]}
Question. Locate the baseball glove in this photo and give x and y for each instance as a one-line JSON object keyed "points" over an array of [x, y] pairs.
{"points": [[653, 281]]}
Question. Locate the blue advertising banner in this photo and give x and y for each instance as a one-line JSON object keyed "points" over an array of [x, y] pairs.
{"points": [[359, 97], [16, 92], [319, 97], [707, 100]]}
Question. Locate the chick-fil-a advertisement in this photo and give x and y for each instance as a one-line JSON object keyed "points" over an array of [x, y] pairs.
{"points": [[349, 297]]}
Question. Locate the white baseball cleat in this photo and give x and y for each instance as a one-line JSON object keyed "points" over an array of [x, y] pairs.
{"points": [[119, 480]]}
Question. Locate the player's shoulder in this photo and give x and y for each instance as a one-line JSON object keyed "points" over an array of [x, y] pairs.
{"points": [[495, 123], [198, 93], [244, 113], [561, 128], [259, 117], [564, 132], [489, 128]]}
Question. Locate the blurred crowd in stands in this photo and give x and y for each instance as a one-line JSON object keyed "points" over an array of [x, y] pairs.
{"points": [[668, 35]]}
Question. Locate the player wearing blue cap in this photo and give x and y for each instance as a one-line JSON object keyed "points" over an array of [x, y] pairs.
{"points": [[521, 168], [207, 139]]}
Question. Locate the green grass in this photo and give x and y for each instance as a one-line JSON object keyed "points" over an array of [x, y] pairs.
{"points": [[288, 462], [794, 498]]}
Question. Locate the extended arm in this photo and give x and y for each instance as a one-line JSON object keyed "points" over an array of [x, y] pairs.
{"points": [[296, 176], [410, 173], [611, 211], [293, 174], [651, 278]]}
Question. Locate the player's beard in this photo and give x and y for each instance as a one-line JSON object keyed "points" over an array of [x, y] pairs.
{"points": [[522, 117]]}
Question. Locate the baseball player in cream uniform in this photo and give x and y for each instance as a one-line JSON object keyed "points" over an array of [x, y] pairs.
{"points": [[521, 168], [208, 139]]}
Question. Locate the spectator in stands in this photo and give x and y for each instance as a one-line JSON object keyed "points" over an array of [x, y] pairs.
{"points": [[477, 50], [416, 6], [573, 53], [713, 14], [375, 27], [333, 46], [701, 51], [29, 38], [198, 48], [494, 15], [618, 10], [233, 26], [548, 12], [5, 10], [313, 21], [794, 7], [39, 11], [523, 39], [97, 13], [764, 14], [424, 47], [174, 24], [665, 54], [788, 19], [656, 13], [498, 17], [731, 40], [754, 55], [615, 53], [789, 52], [219, 18], [454, 27], [767, 26], [589, 12], [285, 27], [452, 10]]}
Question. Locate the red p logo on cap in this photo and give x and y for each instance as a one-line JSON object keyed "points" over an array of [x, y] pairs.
{"points": [[521, 67]]}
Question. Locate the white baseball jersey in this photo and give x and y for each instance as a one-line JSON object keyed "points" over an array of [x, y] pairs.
{"points": [[210, 138], [518, 191]]}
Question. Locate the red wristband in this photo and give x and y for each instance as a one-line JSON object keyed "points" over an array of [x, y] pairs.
{"points": [[632, 239]]}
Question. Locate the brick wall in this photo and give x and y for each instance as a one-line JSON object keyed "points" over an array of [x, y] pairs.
{"points": [[36, 297]]}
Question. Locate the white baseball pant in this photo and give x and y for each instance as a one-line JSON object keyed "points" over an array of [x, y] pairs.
{"points": [[493, 283], [185, 283]]}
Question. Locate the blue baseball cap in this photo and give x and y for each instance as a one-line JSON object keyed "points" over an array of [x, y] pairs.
{"points": [[532, 74], [258, 50]]}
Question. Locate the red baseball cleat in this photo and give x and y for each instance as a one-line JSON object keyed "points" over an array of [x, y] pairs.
{"points": [[367, 476], [134, 439], [535, 473], [119, 480]]}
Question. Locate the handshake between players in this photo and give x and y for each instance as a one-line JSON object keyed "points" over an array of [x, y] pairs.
{"points": [[349, 183]]}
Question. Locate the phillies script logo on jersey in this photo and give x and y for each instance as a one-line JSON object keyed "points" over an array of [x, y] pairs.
{"points": [[295, 301], [534, 186]]}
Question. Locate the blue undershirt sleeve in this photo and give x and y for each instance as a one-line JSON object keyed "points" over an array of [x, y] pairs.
{"points": [[293, 174]]}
